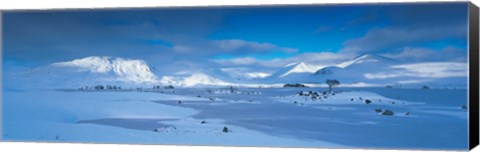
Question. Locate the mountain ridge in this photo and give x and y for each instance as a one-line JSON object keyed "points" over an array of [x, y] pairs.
{"points": [[364, 69]]}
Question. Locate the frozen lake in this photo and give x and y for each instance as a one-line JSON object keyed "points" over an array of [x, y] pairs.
{"points": [[429, 126]]}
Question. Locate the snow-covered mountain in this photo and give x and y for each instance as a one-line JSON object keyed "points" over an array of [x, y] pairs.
{"points": [[197, 79], [291, 72], [127, 70], [365, 70], [88, 71], [353, 71], [349, 71], [378, 70], [367, 59], [295, 68], [374, 70], [357, 66]]}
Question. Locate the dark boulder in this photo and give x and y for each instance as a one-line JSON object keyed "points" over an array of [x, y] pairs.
{"points": [[225, 130], [387, 113]]}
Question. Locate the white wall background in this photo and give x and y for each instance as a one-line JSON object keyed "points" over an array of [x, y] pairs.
{"points": [[62, 4]]}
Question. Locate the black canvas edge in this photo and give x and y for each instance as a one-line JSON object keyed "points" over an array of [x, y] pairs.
{"points": [[1, 76], [473, 40]]}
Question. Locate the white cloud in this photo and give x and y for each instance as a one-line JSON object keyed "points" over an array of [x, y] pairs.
{"points": [[409, 52], [290, 50], [183, 72], [427, 54], [236, 44], [386, 38], [322, 58], [230, 44], [182, 49], [244, 72], [412, 81], [319, 60], [257, 74], [323, 28], [424, 70], [239, 61]]}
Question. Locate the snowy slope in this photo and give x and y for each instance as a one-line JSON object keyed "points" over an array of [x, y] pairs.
{"points": [[365, 70], [353, 71], [136, 71], [86, 71], [375, 70], [291, 72], [365, 59], [197, 79], [379, 70], [302, 72], [60, 116], [300, 67]]}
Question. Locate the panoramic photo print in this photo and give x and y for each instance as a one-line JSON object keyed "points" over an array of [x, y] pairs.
{"points": [[380, 76]]}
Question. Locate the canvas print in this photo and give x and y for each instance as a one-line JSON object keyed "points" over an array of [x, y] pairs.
{"points": [[380, 76]]}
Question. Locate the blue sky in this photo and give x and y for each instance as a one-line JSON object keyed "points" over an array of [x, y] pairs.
{"points": [[255, 37]]}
